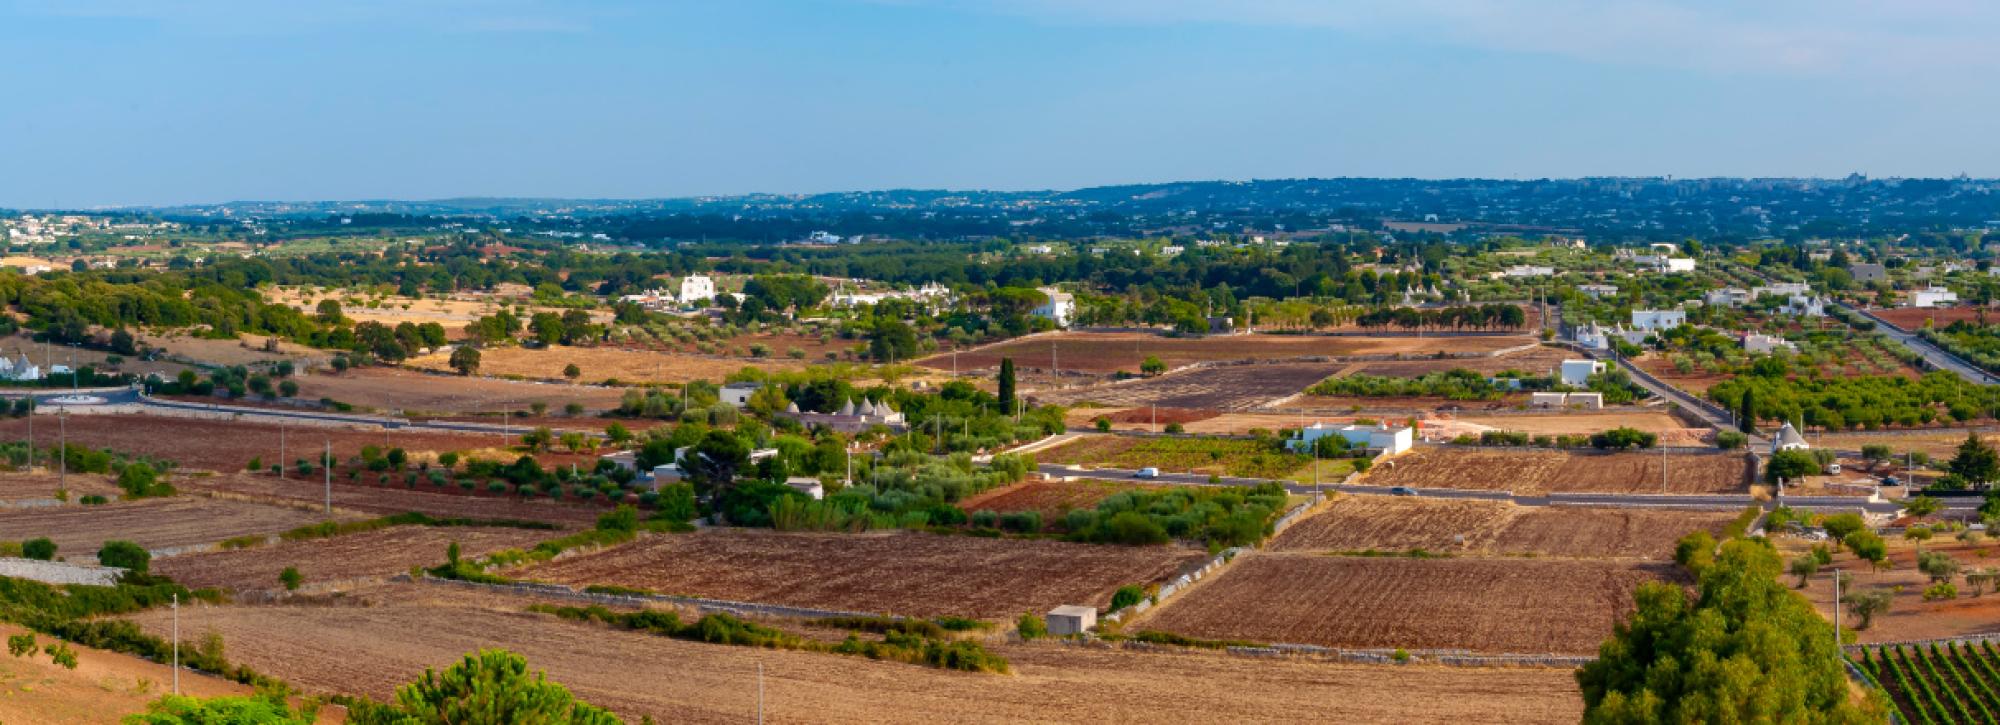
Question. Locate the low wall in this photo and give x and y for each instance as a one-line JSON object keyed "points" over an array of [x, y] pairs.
{"points": [[56, 572], [558, 591]]}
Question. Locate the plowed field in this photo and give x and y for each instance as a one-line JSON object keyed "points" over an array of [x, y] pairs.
{"points": [[1537, 472], [391, 389], [228, 445], [1232, 387], [370, 650], [158, 523], [1106, 352], [379, 553], [1525, 606], [1391, 523], [25, 486], [380, 500], [1050, 498], [897, 573]]}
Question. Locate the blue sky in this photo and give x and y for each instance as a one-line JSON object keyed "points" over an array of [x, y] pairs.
{"points": [[172, 101]]}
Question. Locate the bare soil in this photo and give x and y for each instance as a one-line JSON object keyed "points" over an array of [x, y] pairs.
{"points": [[1107, 352], [159, 523], [913, 574], [604, 363], [228, 445], [1463, 527], [369, 554], [1909, 616], [104, 687], [1233, 387], [1542, 471], [1051, 499], [394, 389], [42, 485], [369, 500]]}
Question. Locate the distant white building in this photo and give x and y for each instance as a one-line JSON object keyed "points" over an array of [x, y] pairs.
{"points": [[1755, 343], [1594, 336], [1379, 437], [1172, 250], [1726, 297], [1804, 305], [697, 288], [1933, 297], [1576, 373], [1529, 270], [1597, 291], [1656, 320], [738, 394], [824, 238], [1059, 308], [1788, 439], [1039, 249], [22, 371], [1677, 264]]}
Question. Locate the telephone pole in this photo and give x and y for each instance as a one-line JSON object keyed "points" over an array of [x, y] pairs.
{"points": [[326, 467], [177, 643]]}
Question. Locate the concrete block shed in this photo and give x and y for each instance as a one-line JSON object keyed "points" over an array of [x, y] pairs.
{"points": [[1071, 619]]}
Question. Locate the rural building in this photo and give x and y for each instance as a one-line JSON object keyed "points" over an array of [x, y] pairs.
{"points": [[1727, 297], [1586, 401], [1577, 372], [628, 460], [1781, 289], [1805, 305], [1379, 437], [1529, 270], [1788, 439], [1868, 273], [1755, 343], [697, 288], [19, 371], [738, 394], [1671, 265], [1656, 320], [807, 485], [1545, 400], [1593, 336], [849, 417], [1071, 619], [1596, 291], [1933, 297], [1058, 309], [667, 473]]}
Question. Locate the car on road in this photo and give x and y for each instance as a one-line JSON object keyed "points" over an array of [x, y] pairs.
{"points": [[1147, 472], [1402, 491]]}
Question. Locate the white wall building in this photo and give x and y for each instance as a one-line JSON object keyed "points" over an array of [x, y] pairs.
{"points": [[1755, 343], [1059, 308], [1576, 373], [738, 394], [1596, 291], [1933, 297], [697, 288], [1380, 437], [1656, 320], [1529, 270]]}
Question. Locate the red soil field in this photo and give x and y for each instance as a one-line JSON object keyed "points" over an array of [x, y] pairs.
{"points": [[1912, 318], [1050, 498], [382, 500], [227, 445]]}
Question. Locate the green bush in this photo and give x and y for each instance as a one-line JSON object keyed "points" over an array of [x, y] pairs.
{"points": [[1126, 596], [291, 578], [125, 555], [42, 549], [1031, 626]]}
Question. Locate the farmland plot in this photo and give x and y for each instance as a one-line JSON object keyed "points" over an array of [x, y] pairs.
{"points": [[1049, 498], [394, 389], [1231, 387], [227, 445], [370, 650], [1525, 606], [157, 523], [603, 363], [381, 500], [25, 486], [896, 573], [1225, 456], [1388, 523], [1541, 471], [1108, 352], [1939, 682], [378, 553]]}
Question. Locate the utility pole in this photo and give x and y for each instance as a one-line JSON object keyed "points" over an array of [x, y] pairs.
{"points": [[281, 450], [177, 642], [31, 429], [326, 467], [1836, 610], [62, 434]]}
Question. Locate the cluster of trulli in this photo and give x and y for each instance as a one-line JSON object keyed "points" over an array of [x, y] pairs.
{"points": [[23, 370]]}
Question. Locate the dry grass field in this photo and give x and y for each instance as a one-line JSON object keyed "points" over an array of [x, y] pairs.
{"points": [[1107, 352], [1526, 606], [1537, 472], [104, 687], [604, 363], [1233, 387], [160, 523], [1535, 361], [1909, 616], [378, 553], [1221, 456], [1938, 443], [391, 310], [392, 389], [41, 485], [382, 500], [1049, 498], [1457, 527], [893, 573], [370, 650]]}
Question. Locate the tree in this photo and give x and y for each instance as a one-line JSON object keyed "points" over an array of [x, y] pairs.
{"points": [[125, 555], [1876, 452], [465, 359], [1746, 413], [1838, 526], [1152, 365], [41, 549], [288, 388], [1803, 567], [291, 578], [264, 709], [1865, 605], [893, 340], [1790, 465], [1937, 565], [123, 343], [716, 460], [538, 439], [492, 686], [1867, 545], [1006, 393], [572, 372], [1975, 461], [329, 312]]}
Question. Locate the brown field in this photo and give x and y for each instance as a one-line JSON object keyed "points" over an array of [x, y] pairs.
{"points": [[247, 350], [1938, 443], [370, 650], [1911, 318], [228, 445], [1389, 523], [104, 687], [383, 500], [1107, 352], [1234, 387], [1909, 616], [604, 363], [159, 523], [392, 389], [896, 573], [1221, 456], [1050, 498], [1534, 361], [1524, 606], [378, 553], [1671, 430], [39, 485], [1537, 472]]}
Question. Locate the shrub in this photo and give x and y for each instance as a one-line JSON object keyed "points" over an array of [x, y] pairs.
{"points": [[985, 519], [1026, 522], [1940, 591], [42, 549], [1126, 596], [125, 555], [291, 578], [1031, 626]]}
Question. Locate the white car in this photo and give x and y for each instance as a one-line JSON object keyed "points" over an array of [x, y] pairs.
{"points": [[1147, 472]]}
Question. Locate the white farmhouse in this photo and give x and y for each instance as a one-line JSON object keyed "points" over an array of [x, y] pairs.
{"points": [[1656, 320], [1933, 297], [1755, 343], [1677, 264], [1598, 291], [1059, 308], [1379, 437], [1576, 373], [1528, 270], [738, 394], [697, 288]]}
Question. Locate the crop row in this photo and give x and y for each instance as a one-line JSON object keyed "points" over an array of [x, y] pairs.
{"points": [[1939, 684]]}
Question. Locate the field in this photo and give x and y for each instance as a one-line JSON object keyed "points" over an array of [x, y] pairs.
{"points": [[1222, 456], [1939, 443], [1672, 431], [370, 650], [1909, 616], [392, 389], [382, 500], [1107, 352], [1849, 357], [1233, 387], [897, 573], [1493, 528], [41, 486], [1939, 683], [1538, 472], [1524, 606], [604, 363], [391, 310], [1050, 498], [160, 523], [1537, 360], [378, 553], [1912, 318], [104, 687], [228, 445]]}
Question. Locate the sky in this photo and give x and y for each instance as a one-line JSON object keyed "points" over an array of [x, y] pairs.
{"points": [[148, 102]]}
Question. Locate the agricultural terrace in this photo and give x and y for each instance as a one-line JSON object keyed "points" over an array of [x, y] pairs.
{"points": [[1233, 387], [1977, 342], [370, 501], [1048, 499], [1910, 614], [905, 573], [1526, 606], [408, 628], [368, 554], [396, 389], [1493, 528], [1938, 683], [599, 364], [1837, 403], [227, 445], [1221, 456], [1540, 471], [1671, 430], [156, 523], [1108, 352]]}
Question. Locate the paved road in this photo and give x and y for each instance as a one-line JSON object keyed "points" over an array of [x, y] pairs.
{"points": [[1936, 356]]}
